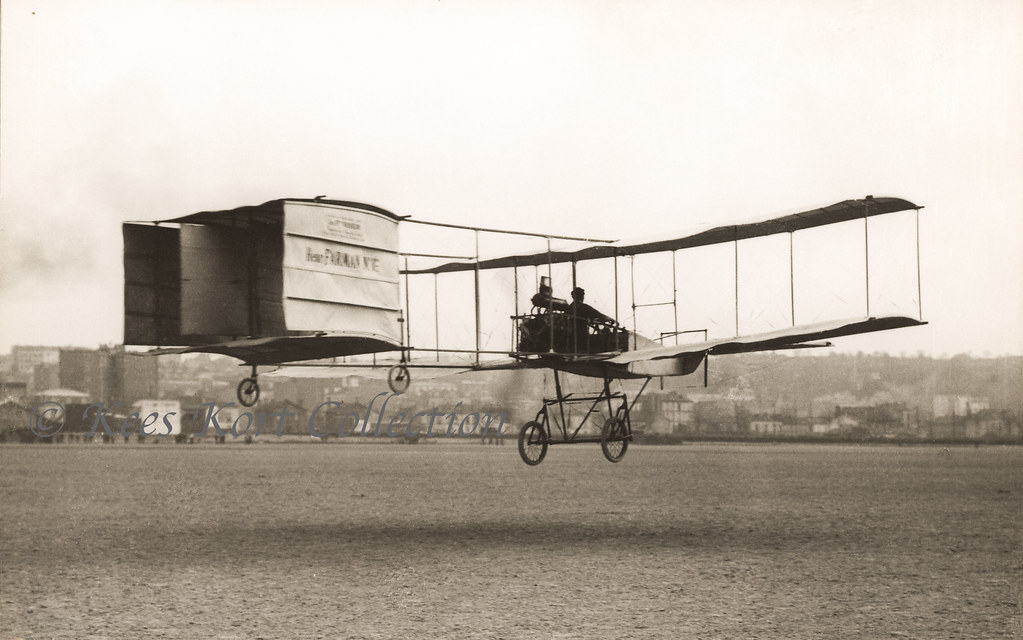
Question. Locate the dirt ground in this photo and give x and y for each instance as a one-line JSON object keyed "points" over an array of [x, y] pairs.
{"points": [[465, 541]]}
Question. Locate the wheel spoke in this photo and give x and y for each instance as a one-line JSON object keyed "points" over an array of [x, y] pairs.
{"points": [[532, 443], [614, 439]]}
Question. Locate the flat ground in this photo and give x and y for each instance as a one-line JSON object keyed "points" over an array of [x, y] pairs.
{"points": [[460, 540]]}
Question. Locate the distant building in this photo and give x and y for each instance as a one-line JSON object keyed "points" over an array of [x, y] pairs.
{"points": [[663, 413], [15, 390], [714, 416], [108, 374], [44, 376], [26, 358], [139, 375], [85, 370], [15, 418], [62, 396], [837, 423], [167, 420], [954, 405], [975, 426], [777, 426]]}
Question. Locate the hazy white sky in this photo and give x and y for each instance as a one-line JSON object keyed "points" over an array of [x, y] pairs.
{"points": [[617, 119]]}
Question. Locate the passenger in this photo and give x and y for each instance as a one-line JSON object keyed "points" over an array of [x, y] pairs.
{"points": [[545, 298]]}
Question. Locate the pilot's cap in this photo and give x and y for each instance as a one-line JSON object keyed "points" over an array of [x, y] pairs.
{"points": [[578, 291]]}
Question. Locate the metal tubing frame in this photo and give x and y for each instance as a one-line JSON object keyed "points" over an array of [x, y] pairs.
{"points": [[919, 289], [658, 304], [575, 334], [432, 255], [736, 282], [792, 278], [586, 417], [676, 334], [504, 231], [632, 291], [674, 295], [544, 418], [550, 279], [866, 247], [514, 334], [476, 284], [615, 258], [408, 310], [561, 403], [364, 365], [436, 317]]}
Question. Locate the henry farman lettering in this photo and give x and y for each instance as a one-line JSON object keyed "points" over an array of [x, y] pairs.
{"points": [[343, 259]]}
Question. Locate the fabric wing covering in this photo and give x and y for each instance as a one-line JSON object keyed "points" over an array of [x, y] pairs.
{"points": [[838, 212]]}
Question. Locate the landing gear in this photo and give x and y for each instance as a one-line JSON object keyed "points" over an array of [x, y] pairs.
{"points": [[614, 439], [398, 378], [532, 443], [538, 434], [248, 390]]}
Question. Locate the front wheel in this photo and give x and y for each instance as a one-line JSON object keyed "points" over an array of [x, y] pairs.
{"points": [[613, 439], [532, 443]]}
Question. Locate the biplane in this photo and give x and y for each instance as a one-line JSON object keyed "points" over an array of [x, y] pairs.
{"points": [[327, 283]]}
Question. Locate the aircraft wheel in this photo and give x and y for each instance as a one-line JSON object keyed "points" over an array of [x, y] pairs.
{"points": [[613, 439], [532, 443], [248, 392], [398, 378]]}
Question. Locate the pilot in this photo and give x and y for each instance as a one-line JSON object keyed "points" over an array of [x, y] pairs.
{"points": [[582, 316], [580, 309]]}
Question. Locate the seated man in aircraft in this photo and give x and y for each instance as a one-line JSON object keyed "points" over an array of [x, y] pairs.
{"points": [[580, 309], [545, 298], [537, 330], [582, 316]]}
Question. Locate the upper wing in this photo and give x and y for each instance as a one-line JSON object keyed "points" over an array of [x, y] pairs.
{"points": [[838, 212]]}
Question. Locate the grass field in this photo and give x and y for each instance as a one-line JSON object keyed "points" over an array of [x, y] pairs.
{"points": [[459, 540]]}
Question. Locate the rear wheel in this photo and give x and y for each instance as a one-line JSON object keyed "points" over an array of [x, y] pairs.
{"points": [[614, 440], [532, 443], [398, 378], [248, 392]]}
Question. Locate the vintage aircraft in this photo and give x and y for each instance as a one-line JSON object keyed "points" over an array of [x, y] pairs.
{"points": [[298, 280]]}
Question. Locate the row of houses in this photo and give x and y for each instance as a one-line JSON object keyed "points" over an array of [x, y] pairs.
{"points": [[953, 418], [111, 375]]}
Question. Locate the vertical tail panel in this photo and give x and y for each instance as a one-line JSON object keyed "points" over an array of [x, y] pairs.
{"points": [[152, 286]]}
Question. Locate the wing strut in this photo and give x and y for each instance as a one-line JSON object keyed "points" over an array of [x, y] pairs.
{"points": [[866, 247], [436, 317], [737, 282], [792, 278], [476, 285], [919, 294]]}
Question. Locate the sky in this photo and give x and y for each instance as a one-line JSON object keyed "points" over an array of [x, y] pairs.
{"points": [[581, 117]]}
